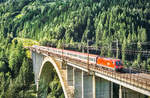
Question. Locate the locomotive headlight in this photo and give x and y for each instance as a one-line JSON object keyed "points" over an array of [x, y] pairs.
{"points": [[108, 63]]}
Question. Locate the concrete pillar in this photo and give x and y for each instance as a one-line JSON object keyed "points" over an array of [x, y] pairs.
{"points": [[102, 88], [34, 63], [77, 83], [120, 91], [37, 63], [37, 85], [94, 86], [69, 75], [88, 85], [37, 88], [82, 84], [111, 89]]}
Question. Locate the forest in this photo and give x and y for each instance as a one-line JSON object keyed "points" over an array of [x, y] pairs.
{"points": [[105, 23]]}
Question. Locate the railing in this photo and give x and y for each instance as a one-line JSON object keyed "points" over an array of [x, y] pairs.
{"points": [[130, 78]]}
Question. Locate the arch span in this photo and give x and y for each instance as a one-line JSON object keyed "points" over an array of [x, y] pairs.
{"points": [[45, 68]]}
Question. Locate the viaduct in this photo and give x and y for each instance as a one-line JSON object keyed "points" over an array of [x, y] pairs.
{"points": [[81, 80]]}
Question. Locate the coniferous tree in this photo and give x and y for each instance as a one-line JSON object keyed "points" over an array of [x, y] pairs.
{"points": [[139, 54]]}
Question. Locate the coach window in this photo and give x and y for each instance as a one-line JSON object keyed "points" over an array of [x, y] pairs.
{"points": [[80, 56], [58, 51], [75, 55], [71, 54], [91, 59], [84, 57]]}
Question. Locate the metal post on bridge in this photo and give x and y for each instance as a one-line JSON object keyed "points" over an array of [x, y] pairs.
{"points": [[63, 64], [117, 48], [88, 54], [117, 53], [82, 45]]}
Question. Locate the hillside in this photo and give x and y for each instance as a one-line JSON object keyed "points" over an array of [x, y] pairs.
{"points": [[103, 22]]}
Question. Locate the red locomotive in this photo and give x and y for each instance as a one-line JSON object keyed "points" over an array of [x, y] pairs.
{"points": [[110, 63], [114, 64]]}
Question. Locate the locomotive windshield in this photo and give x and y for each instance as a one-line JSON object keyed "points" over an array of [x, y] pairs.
{"points": [[118, 63]]}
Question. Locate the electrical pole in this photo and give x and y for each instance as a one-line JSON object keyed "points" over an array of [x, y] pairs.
{"points": [[88, 53], [62, 47], [62, 55], [117, 51], [82, 47]]}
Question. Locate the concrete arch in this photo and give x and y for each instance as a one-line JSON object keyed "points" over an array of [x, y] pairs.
{"points": [[57, 68]]}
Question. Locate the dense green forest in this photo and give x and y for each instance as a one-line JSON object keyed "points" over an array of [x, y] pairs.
{"points": [[103, 22]]}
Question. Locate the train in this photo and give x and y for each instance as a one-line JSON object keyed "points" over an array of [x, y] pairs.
{"points": [[109, 63]]}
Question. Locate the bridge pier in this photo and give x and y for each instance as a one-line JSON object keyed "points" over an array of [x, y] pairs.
{"points": [[78, 85], [94, 86], [111, 89], [37, 87], [69, 76], [37, 63], [84, 84], [103, 88], [120, 91], [88, 85]]}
